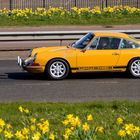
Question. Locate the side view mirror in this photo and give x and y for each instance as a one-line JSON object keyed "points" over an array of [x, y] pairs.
{"points": [[71, 43]]}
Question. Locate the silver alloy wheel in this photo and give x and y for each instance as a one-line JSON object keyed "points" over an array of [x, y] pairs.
{"points": [[57, 69], [135, 68]]}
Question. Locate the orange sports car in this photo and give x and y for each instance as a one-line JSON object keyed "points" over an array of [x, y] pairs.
{"points": [[99, 51]]}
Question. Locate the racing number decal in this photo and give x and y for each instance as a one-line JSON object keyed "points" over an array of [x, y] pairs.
{"points": [[96, 68]]}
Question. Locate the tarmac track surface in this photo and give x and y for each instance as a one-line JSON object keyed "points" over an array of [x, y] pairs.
{"points": [[16, 85]]}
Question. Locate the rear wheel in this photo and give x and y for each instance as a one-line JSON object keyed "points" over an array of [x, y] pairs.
{"points": [[57, 69], [134, 68]]}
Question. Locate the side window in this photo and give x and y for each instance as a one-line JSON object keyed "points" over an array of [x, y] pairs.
{"points": [[108, 43], [126, 44], [115, 43], [94, 44]]}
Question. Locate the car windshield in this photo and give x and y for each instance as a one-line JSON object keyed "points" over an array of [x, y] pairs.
{"points": [[83, 42]]}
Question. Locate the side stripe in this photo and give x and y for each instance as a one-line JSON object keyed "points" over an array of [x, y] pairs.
{"points": [[120, 67], [94, 68]]}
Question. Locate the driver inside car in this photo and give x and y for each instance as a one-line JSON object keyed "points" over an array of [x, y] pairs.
{"points": [[103, 43]]}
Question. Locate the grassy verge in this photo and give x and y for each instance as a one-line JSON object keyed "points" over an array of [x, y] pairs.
{"points": [[40, 21], [104, 114], [117, 15]]}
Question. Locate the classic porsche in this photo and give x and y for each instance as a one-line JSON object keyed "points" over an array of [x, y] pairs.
{"points": [[94, 52]]}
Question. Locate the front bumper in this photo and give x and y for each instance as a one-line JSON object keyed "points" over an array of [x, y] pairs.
{"points": [[29, 65]]}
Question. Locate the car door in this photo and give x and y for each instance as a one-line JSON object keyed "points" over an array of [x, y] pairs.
{"points": [[102, 54]]}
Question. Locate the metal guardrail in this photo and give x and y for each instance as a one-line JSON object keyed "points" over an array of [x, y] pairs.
{"points": [[56, 35]]}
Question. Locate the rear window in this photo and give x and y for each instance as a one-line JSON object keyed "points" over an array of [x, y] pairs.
{"points": [[126, 44]]}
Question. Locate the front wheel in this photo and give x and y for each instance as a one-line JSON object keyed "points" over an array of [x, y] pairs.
{"points": [[134, 68], [57, 69]]}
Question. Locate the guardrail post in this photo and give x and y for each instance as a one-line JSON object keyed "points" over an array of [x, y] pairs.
{"points": [[61, 42], [102, 4], [106, 3], [44, 4], [10, 4], [75, 3], [137, 3]]}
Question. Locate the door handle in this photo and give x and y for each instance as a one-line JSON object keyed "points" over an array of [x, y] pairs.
{"points": [[115, 53]]}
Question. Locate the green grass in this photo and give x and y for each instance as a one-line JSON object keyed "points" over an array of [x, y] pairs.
{"points": [[104, 113], [95, 20]]}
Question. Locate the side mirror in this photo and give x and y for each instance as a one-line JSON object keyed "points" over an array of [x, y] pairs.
{"points": [[71, 43]]}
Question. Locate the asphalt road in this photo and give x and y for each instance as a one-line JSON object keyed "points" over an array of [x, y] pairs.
{"points": [[16, 85]]}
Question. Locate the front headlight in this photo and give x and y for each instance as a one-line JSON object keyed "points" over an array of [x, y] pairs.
{"points": [[30, 60]]}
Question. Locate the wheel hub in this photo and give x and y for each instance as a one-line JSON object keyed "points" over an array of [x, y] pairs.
{"points": [[57, 69], [135, 68]]}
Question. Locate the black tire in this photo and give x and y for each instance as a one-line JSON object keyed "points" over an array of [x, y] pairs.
{"points": [[133, 69], [50, 73]]}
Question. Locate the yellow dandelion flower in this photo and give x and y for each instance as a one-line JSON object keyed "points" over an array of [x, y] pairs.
{"points": [[72, 128], [68, 131], [137, 129], [129, 128], [45, 129], [75, 121], [46, 122], [19, 135], [8, 126], [51, 136], [85, 127], [121, 133], [20, 107], [99, 129], [66, 137], [25, 131], [70, 116], [119, 120], [65, 122], [39, 125], [67, 134], [2, 123], [89, 117], [8, 135], [33, 127], [26, 111], [36, 136], [33, 120]]}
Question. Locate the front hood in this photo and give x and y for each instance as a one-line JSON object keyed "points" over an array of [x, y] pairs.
{"points": [[49, 49]]}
